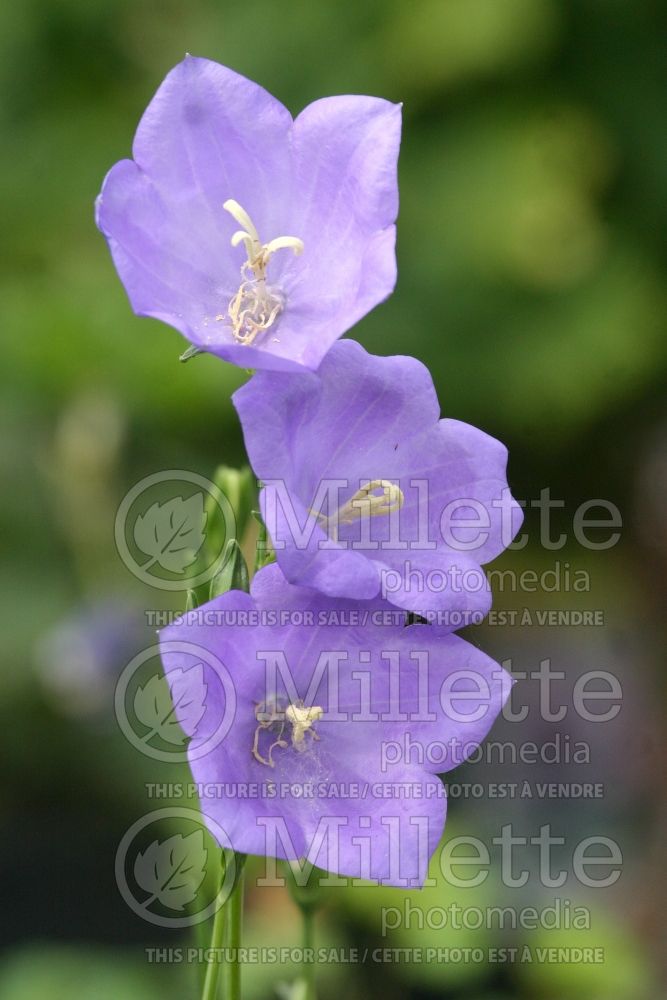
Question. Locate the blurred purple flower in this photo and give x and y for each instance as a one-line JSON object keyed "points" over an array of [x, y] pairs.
{"points": [[367, 490], [80, 658], [317, 701], [262, 239]]}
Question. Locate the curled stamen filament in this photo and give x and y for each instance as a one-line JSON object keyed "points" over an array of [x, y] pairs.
{"points": [[270, 717], [255, 306]]}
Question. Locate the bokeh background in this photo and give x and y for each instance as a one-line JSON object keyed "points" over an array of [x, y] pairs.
{"points": [[531, 280]]}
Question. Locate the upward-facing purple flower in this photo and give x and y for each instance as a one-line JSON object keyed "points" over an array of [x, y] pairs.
{"points": [[261, 238], [367, 490], [324, 730]]}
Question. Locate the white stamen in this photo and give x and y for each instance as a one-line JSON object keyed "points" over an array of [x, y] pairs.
{"points": [[302, 720], [365, 503], [256, 305], [270, 717]]}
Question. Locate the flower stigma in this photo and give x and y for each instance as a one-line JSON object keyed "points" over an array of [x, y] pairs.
{"points": [[365, 503], [256, 305], [272, 719]]}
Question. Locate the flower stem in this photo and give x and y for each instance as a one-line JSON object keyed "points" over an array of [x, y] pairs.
{"points": [[210, 991], [308, 916], [233, 935], [308, 897]]}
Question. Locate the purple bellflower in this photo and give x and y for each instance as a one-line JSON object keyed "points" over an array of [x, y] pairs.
{"points": [[313, 765], [366, 489], [261, 238]]}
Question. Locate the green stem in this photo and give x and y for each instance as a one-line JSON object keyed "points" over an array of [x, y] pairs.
{"points": [[264, 553], [233, 934], [217, 940], [308, 915], [308, 897]]}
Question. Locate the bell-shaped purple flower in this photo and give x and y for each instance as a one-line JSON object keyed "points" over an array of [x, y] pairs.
{"points": [[366, 489], [324, 730], [261, 238]]}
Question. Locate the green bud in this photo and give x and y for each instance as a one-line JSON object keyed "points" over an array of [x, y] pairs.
{"points": [[191, 352], [238, 486], [234, 573]]}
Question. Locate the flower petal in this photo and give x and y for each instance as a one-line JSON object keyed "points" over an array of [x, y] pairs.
{"points": [[338, 423], [315, 441], [387, 832], [312, 560], [208, 135], [166, 271], [337, 799], [346, 190], [329, 178], [346, 151]]}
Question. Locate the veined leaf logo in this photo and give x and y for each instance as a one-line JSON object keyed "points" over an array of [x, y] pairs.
{"points": [[172, 871], [172, 707], [172, 533]]}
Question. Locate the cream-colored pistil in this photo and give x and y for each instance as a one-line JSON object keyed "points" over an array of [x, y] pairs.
{"points": [[255, 306], [366, 502]]}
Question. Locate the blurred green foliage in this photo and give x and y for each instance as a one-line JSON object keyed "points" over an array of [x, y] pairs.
{"points": [[531, 281]]}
